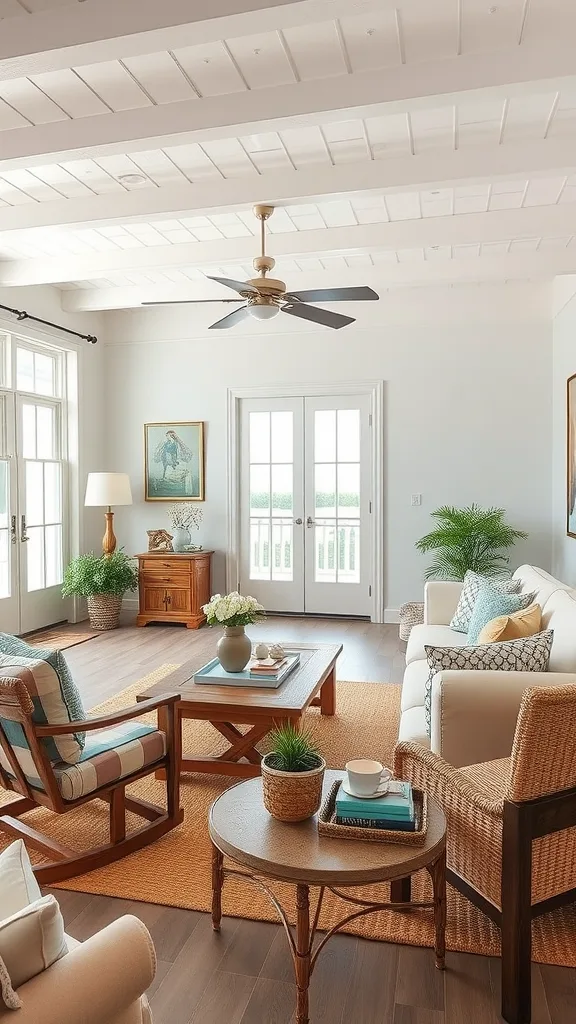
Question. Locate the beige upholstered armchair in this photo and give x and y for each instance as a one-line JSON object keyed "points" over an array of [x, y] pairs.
{"points": [[511, 827], [100, 981]]}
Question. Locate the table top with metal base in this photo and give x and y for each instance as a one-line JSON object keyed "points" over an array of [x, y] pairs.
{"points": [[266, 849]]}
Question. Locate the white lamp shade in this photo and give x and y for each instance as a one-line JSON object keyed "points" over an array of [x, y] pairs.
{"points": [[108, 489]]}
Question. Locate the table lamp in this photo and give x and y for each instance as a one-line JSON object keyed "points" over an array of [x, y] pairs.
{"points": [[108, 489]]}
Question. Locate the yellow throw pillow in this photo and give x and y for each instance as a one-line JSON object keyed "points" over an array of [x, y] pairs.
{"points": [[526, 622]]}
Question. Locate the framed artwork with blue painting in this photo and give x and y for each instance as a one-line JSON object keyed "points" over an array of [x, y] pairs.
{"points": [[571, 456], [174, 461]]}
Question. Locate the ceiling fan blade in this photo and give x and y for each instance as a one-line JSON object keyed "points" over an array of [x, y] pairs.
{"points": [[186, 302], [231, 320], [236, 286], [318, 316], [334, 295]]}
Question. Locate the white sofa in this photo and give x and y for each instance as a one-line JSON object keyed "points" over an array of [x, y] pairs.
{"points": [[474, 712]]}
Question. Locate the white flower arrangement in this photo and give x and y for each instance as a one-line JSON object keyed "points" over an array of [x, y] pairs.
{"points": [[185, 515], [232, 610]]}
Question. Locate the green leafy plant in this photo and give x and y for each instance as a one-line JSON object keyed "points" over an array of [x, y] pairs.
{"points": [[468, 538], [100, 574], [293, 750]]}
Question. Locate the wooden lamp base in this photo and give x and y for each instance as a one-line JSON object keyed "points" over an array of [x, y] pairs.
{"points": [[109, 539]]}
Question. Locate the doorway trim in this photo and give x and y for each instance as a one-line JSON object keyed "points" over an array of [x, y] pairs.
{"points": [[375, 390]]}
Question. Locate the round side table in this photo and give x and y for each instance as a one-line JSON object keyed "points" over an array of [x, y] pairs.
{"points": [[242, 830]]}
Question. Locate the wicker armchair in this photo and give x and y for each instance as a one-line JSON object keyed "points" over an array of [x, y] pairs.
{"points": [[511, 828]]}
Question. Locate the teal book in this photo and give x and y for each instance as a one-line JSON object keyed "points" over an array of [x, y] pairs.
{"points": [[396, 805]]}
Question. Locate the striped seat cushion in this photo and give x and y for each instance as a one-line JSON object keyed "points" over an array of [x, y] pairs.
{"points": [[109, 755]]}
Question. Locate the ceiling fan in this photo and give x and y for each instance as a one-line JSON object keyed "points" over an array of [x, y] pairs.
{"points": [[266, 296]]}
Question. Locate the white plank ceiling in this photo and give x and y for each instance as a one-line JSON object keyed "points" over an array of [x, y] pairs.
{"points": [[458, 117]]}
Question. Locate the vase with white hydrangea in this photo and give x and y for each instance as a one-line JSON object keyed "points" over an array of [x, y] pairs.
{"points": [[184, 516], [233, 612]]}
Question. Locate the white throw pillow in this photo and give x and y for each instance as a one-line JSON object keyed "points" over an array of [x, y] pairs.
{"points": [[31, 940], [18, 885]]}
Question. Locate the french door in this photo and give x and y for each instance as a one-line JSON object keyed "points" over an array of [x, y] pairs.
{"points": [[305, 501], [32, 520]]}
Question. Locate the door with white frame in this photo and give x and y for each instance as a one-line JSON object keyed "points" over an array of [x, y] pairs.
{"points": [[33, 538], [305, 497]]}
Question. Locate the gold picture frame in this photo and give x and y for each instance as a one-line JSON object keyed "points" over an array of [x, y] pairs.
{"points": [[571, 456], [174, 461]]}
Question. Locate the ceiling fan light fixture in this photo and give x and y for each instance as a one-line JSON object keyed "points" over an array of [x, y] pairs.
{"points": [[267, 312]]}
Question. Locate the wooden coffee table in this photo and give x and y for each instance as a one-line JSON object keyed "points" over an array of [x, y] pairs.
{"points": [[311, 684], [241, 829]]}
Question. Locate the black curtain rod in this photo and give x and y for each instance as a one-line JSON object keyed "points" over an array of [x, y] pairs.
{"points": [[21, 315]]}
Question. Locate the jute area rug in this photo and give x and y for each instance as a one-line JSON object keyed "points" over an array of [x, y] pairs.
{"points": [[176, 870]]}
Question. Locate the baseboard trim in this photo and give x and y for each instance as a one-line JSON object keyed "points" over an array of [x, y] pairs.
{"points": [[130, 604], [392, 615]]}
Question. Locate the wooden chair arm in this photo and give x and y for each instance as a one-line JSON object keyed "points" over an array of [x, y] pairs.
{"points": [[105, 721]]}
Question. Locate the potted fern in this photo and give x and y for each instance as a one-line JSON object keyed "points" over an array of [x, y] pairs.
{"points": [[468, 538], [102, 580], [292, 774]]}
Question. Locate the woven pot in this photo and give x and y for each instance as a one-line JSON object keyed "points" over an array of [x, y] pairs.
{"points": [[411, 614], [292, 796], [104, 611]]}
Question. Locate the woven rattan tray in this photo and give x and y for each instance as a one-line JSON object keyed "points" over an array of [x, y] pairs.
{"points": [[328, 827]]}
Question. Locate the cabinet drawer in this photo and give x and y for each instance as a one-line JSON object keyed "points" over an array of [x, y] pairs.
{"points": [[163, 577], [176, 565]]}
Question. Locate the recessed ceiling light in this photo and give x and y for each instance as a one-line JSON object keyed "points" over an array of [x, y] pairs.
{"points": [[132, 179]]}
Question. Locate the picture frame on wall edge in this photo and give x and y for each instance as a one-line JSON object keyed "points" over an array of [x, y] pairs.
{"points": [[174, 461], [571, 456]]}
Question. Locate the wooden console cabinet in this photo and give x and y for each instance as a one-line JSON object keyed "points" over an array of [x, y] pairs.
{"points": [[174, 587]]}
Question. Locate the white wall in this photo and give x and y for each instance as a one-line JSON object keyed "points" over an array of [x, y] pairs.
{"points": [[467, 374], [564, 365], [45, 302]]}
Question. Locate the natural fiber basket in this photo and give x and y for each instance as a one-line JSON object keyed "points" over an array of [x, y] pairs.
{"points": [[327, 825], [104, 611], [292, 796], [411, 614]]}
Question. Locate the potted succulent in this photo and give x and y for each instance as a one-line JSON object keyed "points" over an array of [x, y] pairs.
{"points": [[233, 612], [292, 774], [102, 580]]}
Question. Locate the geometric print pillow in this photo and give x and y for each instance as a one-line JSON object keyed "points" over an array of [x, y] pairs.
{"points": [[470, 589], [528, 654]]}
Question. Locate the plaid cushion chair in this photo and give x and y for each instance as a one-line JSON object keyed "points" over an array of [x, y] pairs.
{"points": [[48, 758]]}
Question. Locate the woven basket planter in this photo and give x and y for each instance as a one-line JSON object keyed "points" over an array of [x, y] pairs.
{"points": [[292, 796], [411, 614], [104, 611]]}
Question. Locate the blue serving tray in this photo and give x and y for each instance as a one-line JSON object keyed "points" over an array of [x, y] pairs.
{"points": [[214, 673]]}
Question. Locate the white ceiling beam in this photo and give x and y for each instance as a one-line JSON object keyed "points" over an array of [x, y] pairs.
{"points": [[463, 229], [521, 266], [101, 30], [432, 169], [407, 87]]}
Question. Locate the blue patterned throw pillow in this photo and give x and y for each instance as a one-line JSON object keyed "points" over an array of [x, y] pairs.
{"points": [[492, 603], [529, 654], [473, 581]]}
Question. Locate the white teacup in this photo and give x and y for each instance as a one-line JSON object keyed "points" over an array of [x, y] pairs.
{"points": [[367, 777]]}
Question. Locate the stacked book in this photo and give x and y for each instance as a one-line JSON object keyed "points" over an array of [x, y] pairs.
{"points": [[393, 810]]}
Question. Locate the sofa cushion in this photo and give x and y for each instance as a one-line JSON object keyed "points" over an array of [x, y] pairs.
{"points": [[437, 636], [490, 604], [529, 654], [32, 940], [414, 685], [18, 885], [544, 585], [110, 755], [473, 581], [413, 727], [559, 614], [526, 622]]}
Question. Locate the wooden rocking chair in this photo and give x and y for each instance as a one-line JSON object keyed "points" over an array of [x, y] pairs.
{"points": [[161, 750]]}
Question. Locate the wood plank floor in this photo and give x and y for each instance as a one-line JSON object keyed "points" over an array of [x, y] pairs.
{"points": [[244, 975]]}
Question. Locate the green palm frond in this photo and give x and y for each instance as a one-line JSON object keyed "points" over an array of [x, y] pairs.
{"points": [[468, 538]]}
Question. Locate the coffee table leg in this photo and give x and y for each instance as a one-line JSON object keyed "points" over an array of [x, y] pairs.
{"points": [[438, 874], [302, 959], [328, 695], [217, 881]]}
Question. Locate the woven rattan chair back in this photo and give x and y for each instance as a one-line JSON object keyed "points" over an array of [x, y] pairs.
{"points": [[544, 751]]}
